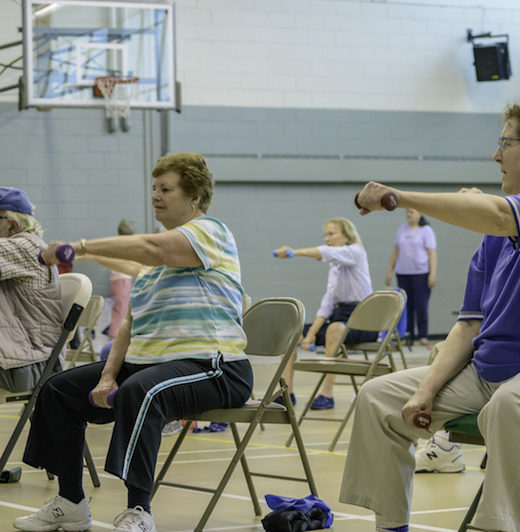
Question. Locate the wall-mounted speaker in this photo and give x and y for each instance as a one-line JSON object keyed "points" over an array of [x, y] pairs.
{"points": [[492, 61]]}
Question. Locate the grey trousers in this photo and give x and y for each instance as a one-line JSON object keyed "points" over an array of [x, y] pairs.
{"points": [[24, 378], [380, 463]]}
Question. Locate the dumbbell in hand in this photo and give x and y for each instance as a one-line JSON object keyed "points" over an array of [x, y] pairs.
{"points": [[422, 420], [110, 398], [64, 253], [289, 254], [388, 201]]}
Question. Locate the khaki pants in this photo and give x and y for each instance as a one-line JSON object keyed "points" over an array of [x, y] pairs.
{"points": [[380, 463]]}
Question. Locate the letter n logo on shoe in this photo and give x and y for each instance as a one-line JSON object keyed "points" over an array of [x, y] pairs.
{"points": [[431, 455], [57, 512]]}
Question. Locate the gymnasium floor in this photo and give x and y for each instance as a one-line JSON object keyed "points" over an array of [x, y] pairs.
{"points": [[440, 500]]}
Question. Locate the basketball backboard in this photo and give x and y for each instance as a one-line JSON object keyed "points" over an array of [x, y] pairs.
{"points": [[70, 43]]}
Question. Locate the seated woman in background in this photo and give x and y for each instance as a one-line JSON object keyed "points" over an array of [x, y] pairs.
{"points": [[30, 299], [179, 352], [348, 283]]}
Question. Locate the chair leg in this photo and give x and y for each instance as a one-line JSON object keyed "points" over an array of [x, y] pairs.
{"points": [[227, 475], [171, 456], [307, 407], [342, 425], [301, 450], [472, 510], [91, 467], [16, 433], [247, 473]]}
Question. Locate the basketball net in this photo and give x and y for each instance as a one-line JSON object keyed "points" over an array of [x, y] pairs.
{"points": [[117, 92]]}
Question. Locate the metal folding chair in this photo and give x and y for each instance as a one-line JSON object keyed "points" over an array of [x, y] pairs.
{"points": [[88, 319], [464, 429], [76, 289], [380, 311], [273, 327]]}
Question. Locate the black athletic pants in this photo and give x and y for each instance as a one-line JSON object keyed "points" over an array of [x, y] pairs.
{"points": [[148, 397]]}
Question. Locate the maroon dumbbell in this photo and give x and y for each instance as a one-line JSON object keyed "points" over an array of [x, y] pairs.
{"points": [[64, 253], [422, 419], [388, 201], [110, 398]]}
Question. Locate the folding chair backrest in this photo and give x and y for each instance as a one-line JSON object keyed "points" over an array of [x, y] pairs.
{"points": [[380, 311], [76, 289], [87, 320], [273, 326]]}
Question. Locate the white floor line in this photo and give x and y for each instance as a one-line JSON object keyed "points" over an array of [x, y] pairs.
{"points": [[100, 524]]}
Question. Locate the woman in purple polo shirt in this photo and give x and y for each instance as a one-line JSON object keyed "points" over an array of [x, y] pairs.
{"points": [[414, 259]]}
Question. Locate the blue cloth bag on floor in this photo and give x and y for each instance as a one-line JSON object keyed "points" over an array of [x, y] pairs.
{"points": [[296, 515]]}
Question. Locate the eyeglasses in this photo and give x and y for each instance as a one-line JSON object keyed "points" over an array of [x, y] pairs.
{"points": [[503, 142]]}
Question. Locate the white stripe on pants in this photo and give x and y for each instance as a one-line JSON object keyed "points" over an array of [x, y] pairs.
{"points": [[380, 462]]}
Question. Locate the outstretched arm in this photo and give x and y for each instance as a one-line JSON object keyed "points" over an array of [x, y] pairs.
{"points": [[313, 253], [128, 267], [482, 213], [170, 247]]}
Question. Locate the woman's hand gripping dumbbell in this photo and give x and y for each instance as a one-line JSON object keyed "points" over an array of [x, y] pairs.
{"points": [[388, 202], [64, 253], [110, 398], [283, 253]]}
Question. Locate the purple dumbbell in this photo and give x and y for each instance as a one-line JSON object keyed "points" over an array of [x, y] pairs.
{"points": [[110, 398], [64, 253], [288, 254], [388, 201]]}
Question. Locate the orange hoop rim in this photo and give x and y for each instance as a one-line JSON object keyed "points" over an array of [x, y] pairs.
{"points": [[115, 79]]}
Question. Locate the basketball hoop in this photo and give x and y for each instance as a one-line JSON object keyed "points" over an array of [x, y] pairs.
{"points": [[117, 91]]}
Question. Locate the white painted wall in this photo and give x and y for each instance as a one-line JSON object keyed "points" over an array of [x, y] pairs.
{"points": [[346, 54]]}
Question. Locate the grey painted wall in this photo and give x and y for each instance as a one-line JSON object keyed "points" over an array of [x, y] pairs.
{"points": [[280, 174]]}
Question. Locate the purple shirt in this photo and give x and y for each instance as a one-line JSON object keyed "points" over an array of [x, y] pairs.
{"points": [[413, 245], [493, 296], [349, 278]]}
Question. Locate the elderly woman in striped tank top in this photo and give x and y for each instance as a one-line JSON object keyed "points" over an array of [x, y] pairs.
{"points": [[179, 351]]}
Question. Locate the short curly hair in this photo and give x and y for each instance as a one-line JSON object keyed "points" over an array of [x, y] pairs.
{"points": [[512, 112], [195, 177]]}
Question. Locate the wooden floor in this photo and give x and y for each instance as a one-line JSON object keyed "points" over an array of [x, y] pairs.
{"points": [[439, 504]]}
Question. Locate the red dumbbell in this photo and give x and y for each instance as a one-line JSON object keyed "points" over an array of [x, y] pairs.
{"points": [[388, 201], [422, 420]]}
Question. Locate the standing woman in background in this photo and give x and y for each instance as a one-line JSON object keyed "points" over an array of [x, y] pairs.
{"points": [[414, 258]]}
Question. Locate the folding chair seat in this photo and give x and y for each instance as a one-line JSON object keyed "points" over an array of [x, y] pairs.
{"points": [[76, 289], [394, 346], [380, 311], [88, 319], [273, 327], [464, 429]]}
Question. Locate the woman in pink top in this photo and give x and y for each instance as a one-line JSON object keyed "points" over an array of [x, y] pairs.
{"points": [[414, 259]]}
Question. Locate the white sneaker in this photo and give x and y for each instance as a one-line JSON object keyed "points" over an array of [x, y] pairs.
{"points": [[134, 520], [58, 513], [431, 458], [171, 428]]}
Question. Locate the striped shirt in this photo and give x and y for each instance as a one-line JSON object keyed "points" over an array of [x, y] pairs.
{"points": [[195, 312]]}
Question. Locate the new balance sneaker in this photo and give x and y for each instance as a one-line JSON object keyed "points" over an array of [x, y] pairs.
{"points": [[59, 513], [432, 458], [322, 403], [134, 520]]}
